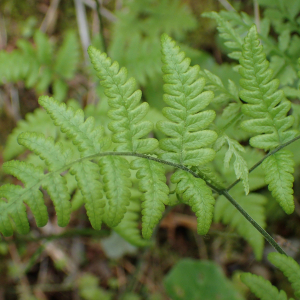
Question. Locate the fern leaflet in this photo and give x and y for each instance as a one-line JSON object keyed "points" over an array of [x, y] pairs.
{"points": [[198, 195], [116, 183], [289, 268], [228, 33], [152, 180], [262, 288]]}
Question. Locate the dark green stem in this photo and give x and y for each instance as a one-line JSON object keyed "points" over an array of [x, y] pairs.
{"points": [[253, 222]]}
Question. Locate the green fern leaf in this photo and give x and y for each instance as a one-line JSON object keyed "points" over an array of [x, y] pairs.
{"points": [[152, 182], [262, 288], [188, 142], [17, 211], [56, 187], [198, 195], [116, 184], [126, 110], [279, 168], [267, 108], [289, 268], [128, 227], [89, 140], [228, 33], [87, 175]]}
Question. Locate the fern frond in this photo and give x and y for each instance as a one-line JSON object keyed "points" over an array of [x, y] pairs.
{"points": [[116, 184], [262, 288], [279, 169], [289, 268], [198, 195], [267, 108], [254, 205], [188, 141], [128, 227], [152, 182], [83, 133], [228, 33], [126, 111]]}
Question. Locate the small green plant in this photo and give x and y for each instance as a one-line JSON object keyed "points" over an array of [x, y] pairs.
{"points": [[39, 66]]}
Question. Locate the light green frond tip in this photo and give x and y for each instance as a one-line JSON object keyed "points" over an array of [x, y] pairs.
{"points": [[198, 195], [262, 288], [267, 109], [126, 110], [266, 106], [228, 33], [188, 139], [289, 268]]}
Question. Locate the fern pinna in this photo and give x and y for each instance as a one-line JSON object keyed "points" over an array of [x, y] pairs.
{"points": [[263, 288], [104, 179], [267, 110]]}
